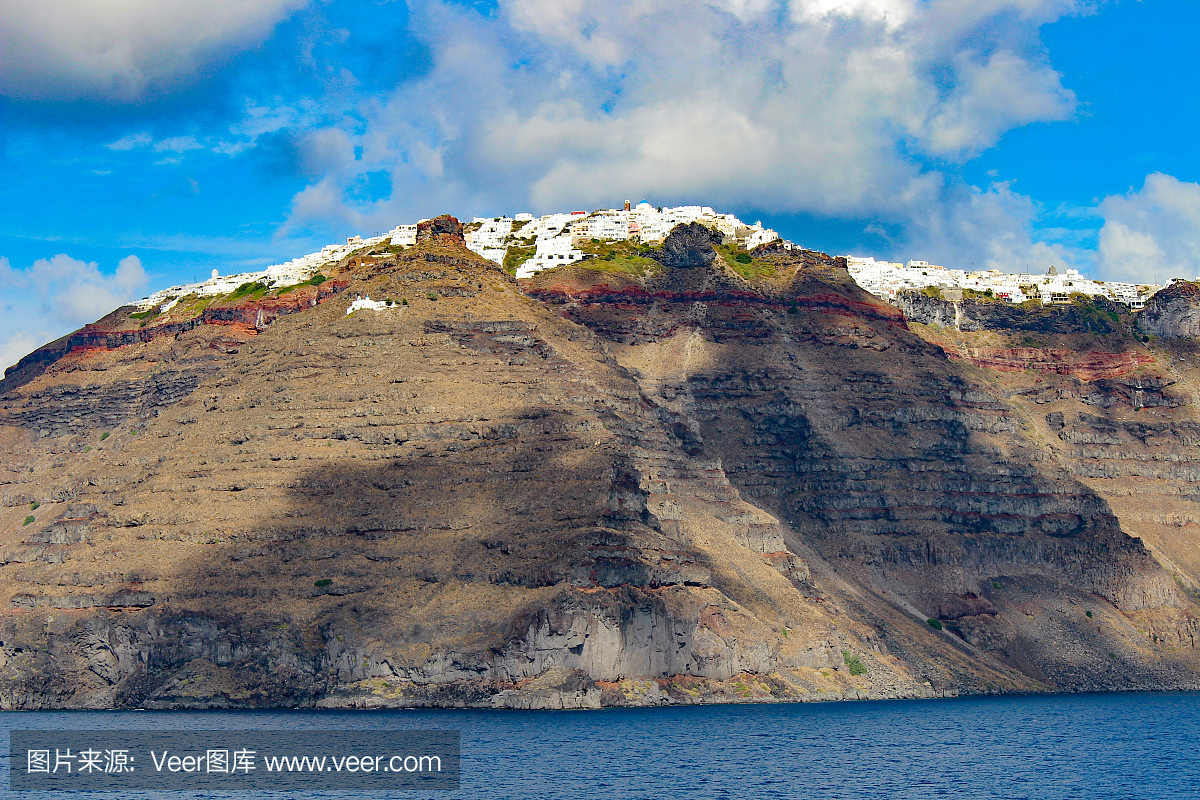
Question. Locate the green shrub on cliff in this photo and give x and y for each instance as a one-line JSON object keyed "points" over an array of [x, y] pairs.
{"points": [[936, 624], [515, 256], [744, 263], [28, 520], [987, 296], [323, 582], [857, 667], [1096, 315]]}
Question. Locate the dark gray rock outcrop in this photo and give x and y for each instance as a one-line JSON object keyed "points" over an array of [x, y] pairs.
{"points": [[1173, 313]]}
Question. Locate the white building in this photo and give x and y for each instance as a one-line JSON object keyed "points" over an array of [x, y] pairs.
{"points": [[886, 279], [612, 226], [758, 236], [490, 238], [404, 235], [552, 251], [553, 235], [361, 303]]}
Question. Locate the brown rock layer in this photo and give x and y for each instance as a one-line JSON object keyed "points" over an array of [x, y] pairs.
{"points": [[710, 483]]}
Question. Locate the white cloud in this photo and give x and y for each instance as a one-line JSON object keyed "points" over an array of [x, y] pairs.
{"points": [[1153, 234], [992, 229], [55, 296], [130, 142], [837, 107], [177, 144], [118, 49]]}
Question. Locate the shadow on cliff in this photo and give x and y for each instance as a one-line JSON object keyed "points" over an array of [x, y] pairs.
{"points": [[448, 547], [909, 478], [889, 461]]}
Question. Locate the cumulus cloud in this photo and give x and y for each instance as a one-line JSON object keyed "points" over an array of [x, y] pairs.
{"points": [[118, 49], [1152, 234], [835, 107], [55, 296], [993, 228]]}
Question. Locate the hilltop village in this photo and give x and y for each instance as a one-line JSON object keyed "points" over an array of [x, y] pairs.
{"points": [[555, 237], [886, 279], [526, 245]]}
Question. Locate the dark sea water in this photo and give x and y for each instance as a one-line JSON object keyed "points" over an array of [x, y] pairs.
{"points": [[1091, 747]]}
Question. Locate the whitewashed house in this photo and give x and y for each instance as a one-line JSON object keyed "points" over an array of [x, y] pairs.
{"points": [[551, 252]]}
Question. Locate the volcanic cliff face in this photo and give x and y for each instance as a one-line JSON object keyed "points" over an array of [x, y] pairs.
{"points": [[1173, 313], [717, 481]]}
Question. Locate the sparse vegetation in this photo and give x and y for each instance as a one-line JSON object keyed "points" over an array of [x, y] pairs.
{"points": [[104, 436], [1096, 315], [621, 257], [323, 582], [34, 506], [27, 521], [743, 263], [193, 304], [857, 667], [431, 295], [515, 256], [987, 296], [255, 290], [403, 301], [936, 624], [145, 315]]}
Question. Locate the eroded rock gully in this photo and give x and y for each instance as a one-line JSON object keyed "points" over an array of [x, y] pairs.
{"points": [[591, 489]]}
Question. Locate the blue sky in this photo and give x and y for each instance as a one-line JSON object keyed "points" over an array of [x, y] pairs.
{"points": [[146, 142]]}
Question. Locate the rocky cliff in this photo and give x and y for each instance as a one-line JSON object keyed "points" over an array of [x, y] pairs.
{"points": [[718, 479], [1173, 313]]}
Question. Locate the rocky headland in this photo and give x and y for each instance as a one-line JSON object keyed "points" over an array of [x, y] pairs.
{"points": [[710, 479]]}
